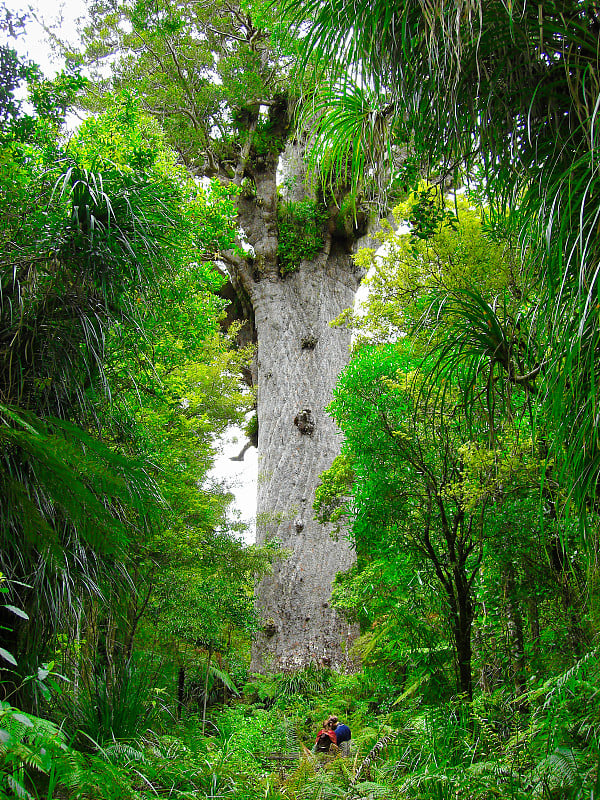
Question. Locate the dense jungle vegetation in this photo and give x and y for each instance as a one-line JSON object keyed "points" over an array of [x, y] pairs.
{"points": [[468, 475]]}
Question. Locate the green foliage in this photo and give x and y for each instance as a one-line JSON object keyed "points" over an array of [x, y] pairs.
{"points": [[13, 69], [427, 214], [109, 421], [113, 703], [335, 483], [116, 378], [211, 109], [449, 750], [277, 689], [415, 281], [251, 428], [301, 233], [439, 426], [434, 92], [347, 137], [29, 747], [267, 139], [143, 381]]}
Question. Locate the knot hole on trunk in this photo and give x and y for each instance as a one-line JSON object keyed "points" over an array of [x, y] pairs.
{"points": [[308, 342], [305, 422]]}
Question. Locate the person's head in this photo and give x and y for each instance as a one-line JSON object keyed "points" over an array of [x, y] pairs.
{"points": [[332, 722]]}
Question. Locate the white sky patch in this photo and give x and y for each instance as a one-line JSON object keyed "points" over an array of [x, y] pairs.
{"points": [[56, 15], [239, 476]]}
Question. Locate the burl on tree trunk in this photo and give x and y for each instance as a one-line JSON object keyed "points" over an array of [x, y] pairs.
{"points": [[298, 361]]}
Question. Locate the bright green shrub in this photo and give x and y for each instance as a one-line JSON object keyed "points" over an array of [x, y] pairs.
{"points": [[300, 233]]}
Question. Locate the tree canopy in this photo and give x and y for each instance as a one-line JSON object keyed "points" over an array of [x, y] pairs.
{"points": [[494, 97]]}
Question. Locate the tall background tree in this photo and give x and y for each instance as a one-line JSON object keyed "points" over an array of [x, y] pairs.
{"points": [[214, 79]]}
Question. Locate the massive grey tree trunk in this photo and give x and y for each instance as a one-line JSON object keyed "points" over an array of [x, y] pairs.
{"points": [[299, 359]]}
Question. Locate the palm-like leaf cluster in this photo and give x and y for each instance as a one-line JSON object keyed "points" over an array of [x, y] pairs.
{"points": [[507, 93], [483, 349], [102, 219]]}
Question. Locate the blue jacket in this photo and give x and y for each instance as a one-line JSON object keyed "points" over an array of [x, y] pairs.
{"points": [[343, 734]]}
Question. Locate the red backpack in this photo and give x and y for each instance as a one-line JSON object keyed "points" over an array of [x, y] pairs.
{"points": [[324, 740]]}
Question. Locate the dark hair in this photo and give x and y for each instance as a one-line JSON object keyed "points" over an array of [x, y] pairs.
{"points": [[332, 722]]}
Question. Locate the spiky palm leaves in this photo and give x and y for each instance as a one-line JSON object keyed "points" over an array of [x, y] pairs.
{"points": [[463, 78], [73, 268], [69, 506], [347, 126], [508, 91], [485, 349]]}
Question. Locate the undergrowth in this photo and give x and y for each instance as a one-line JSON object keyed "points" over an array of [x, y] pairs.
{"points": [[544, 744]]}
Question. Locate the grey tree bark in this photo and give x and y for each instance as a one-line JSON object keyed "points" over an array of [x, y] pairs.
{"points": [[299, 359]]}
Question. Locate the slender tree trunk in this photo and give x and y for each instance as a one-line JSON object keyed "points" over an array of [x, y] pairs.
{"points": [[462, 634], [462, 617], [180, 690], [515, 631], [205, 699]]}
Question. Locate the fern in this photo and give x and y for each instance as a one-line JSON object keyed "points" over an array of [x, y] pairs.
{"points": [[370, 790], [122, 753], [321, 787], [560, 770], [373, 754], [307, 682], [17, 788], [439, 785], [29, 745]]}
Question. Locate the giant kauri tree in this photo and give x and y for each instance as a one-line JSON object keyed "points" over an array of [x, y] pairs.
{"points": [[213, 78]]}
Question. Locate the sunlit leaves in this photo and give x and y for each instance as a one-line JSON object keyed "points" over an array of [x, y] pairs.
{"points": [[194, 66], [106, 295]]}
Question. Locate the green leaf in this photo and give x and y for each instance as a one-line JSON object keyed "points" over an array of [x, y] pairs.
{"points": [[18, 611], [46, 693], [8, 656], [23, 719]]}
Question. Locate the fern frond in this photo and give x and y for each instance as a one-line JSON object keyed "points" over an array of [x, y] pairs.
{"points": [[438, 779], [499, 769], [373, 754], [18, 789], [121, 752], [491, 737], [321, 787], [225, 679], [292, 743], [560, 770], [369, 790]]}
